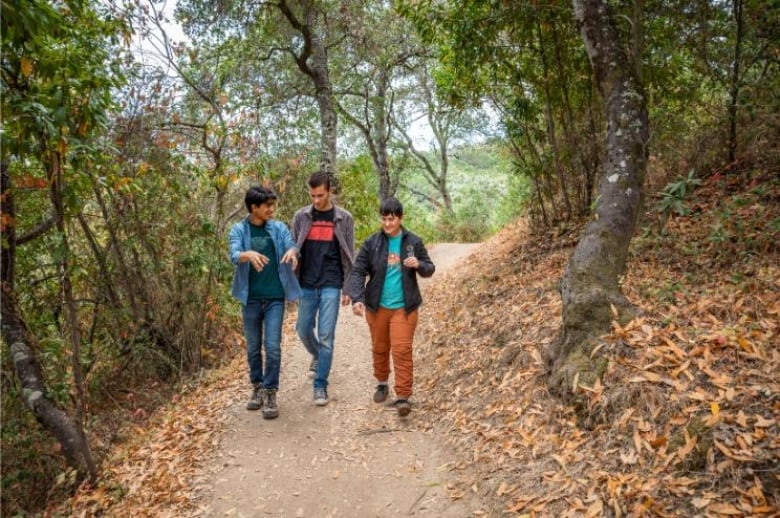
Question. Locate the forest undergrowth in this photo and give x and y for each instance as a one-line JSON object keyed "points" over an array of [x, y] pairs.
{"points": [[686, 420]]}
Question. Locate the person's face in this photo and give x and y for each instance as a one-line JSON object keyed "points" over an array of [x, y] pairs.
{"points": [[320, 197], [264, 212], [391, 224]]}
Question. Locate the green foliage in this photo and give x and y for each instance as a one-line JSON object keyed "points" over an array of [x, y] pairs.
{"points": [[148, 192], [485, 196], [359, 189], [673, 197], [29, 460], [60, 64]]}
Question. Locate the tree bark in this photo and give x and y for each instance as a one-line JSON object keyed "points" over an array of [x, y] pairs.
{"points": [[590, 289], [313, 62], [734, 90], [549, 118], [22, 345], [376, 129]]}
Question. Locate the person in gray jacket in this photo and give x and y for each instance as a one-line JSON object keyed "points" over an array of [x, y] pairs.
{"points": [[325, 235], [265, 256]]}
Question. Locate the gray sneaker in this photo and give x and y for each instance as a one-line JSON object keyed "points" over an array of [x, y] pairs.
{"points": [[270, 410], [320, 397], [313, 369], [381, 393], [256, 400]]}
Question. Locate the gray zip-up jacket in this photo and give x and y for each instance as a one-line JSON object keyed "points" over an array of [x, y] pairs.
{"points": [[344, 229]]}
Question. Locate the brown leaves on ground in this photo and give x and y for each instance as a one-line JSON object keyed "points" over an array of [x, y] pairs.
{"points": [[152, 474], [686, 419]]}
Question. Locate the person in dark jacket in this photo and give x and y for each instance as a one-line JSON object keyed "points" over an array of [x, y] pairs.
{"points": [[391, 259]]}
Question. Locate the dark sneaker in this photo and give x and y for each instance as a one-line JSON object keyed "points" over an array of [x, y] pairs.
{"points": [[270, 410], [320, 397], [256, 400], [381, 393], [403, 407], [313, 369]]}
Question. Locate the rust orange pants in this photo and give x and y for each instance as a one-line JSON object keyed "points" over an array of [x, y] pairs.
{"points": [[392, 333]]}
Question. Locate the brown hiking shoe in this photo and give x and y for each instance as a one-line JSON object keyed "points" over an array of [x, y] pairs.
{"points": [[403, 407], [270, 410], [256, 399]]}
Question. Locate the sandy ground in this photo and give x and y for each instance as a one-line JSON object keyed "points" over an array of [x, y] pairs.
{"points": [[351, 458]]}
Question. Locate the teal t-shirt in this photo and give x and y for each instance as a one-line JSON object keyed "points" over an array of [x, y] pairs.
{"points": [[264, 284], [393, 291]]}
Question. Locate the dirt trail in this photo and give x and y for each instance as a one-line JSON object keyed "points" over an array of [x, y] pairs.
{"points": [[352, 458]]}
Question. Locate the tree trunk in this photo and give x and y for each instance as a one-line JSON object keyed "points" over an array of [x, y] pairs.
{"points": [[22, 346], [375, 128], [590, 289], [324, 94], [734, 90], [58, 202], [313, 62], [549, 118]]}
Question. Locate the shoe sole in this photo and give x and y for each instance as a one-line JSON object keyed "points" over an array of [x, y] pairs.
{"points": [[320, 402], [270, 416], [253, 406]]}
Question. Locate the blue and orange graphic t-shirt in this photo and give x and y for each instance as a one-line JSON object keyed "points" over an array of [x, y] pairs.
{"points": [[320, 256], [392, 290]]}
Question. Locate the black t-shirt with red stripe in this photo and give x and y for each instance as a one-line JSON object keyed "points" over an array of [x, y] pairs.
{"points": [[320, 257]]}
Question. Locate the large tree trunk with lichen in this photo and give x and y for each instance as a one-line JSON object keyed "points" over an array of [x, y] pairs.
{"points": [[21, 343], [591, 292], [312, 60]]}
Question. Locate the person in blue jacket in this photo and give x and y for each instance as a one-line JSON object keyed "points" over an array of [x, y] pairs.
{"points": [[265, 257]]}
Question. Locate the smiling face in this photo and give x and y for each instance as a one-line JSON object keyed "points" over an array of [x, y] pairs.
{"points": [[391, 224], [262, 213], [320, 197]]}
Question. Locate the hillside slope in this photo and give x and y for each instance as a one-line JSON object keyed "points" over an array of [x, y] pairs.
{"points": [[686, 421]]}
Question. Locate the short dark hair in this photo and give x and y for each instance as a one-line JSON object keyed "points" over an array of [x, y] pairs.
{"points": [[319, 178], [392, 206], [257, 195]]}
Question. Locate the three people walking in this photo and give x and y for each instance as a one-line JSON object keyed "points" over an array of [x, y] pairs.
{"points": [[381, 283]]}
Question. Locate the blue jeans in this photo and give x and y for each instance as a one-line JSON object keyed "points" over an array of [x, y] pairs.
{"points": [[260, 315], [322, 305]]}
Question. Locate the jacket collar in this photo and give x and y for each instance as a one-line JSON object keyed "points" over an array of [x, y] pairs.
{"points": [[336, 211]]}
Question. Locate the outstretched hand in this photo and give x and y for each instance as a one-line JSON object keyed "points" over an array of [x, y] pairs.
{"points": [[291, 256]]}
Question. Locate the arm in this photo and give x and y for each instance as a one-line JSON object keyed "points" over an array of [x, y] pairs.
{"points": [[237, 253], [421, 260], [289, 246], [349, 237], [235, 245], [357, 280]]}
